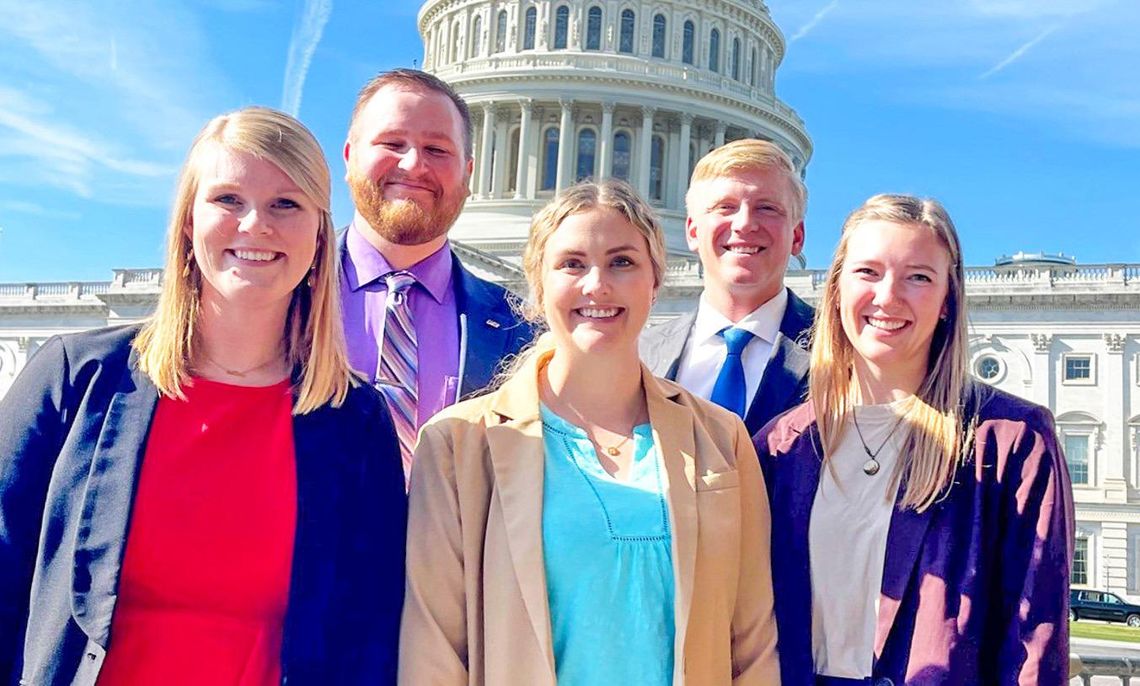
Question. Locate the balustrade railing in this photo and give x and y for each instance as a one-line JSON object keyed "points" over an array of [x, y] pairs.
{"points": [[1124, 668]]}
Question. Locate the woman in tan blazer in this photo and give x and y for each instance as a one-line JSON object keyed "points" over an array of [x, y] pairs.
{"points": [[588, 523]]}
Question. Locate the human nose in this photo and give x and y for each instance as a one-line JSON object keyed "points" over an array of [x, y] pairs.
{"points": [[744, 218], [594, 282], [886, 291], [411, 160], [254, 222]]}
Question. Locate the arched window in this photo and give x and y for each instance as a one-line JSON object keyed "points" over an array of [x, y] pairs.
{"points": [[513, 172], [627, 23], [623, 147], [659, 35], [657, 168], [714, 50], [587, 148], [530, 18], [753, 70], [501, 31], [476, 36], [735, 59], [561, 27], [688, 34], [549, 159], [594, 29]]}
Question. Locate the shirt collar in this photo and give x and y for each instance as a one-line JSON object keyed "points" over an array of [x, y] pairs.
{"points": [[365, 265], [763, 322]]}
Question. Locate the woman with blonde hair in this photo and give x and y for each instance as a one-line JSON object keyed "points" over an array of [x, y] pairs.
{"points": [[212, 497], [922, 522], [587, 523]]}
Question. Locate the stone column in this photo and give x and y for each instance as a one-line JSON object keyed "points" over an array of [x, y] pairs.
{"points": [[502, 157], [485, 151], [720, 129], [1042, 369], [1115, 453], [683, 167], [1114, 557], [643, 150], [606, 142], [523, 189], [565, 143]]}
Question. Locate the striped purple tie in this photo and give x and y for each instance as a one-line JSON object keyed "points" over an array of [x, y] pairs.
{"points": [[398, 363]]}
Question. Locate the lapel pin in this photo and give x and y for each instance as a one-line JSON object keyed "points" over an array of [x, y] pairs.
{"points": [[493, 324]]}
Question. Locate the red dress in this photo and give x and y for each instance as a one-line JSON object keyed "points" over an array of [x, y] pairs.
{"points": [[205, 577]]}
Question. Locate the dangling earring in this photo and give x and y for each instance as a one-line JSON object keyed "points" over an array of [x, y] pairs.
{"points": [[189, 261], [310, 275]]}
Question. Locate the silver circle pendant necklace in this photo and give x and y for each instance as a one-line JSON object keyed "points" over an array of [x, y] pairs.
{"points": [[871, 466]]}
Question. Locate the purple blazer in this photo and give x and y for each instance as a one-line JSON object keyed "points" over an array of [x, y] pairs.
{"points": [[976, 588]]}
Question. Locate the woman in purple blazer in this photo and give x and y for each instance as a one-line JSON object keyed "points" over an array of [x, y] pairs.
{"points": [[922, 523]]}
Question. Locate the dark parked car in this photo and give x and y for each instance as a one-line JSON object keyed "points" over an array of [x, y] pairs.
{"points": [[1102, 605]]}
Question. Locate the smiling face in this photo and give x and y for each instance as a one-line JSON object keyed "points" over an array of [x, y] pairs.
{"points": [[406, 166], [597, 283], [254, 232], [743, 227], [892, 291]]}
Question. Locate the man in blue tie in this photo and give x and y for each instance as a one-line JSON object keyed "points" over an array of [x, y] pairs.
{"points": [[745, 346]]}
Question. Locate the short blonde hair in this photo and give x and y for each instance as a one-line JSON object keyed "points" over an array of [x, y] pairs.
{"points": [[584, 196], [749, 154], [939, 434], [313, 335]]}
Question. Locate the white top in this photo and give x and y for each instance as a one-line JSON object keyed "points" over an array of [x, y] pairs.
{"points": [[705, 352], [847, 540]]}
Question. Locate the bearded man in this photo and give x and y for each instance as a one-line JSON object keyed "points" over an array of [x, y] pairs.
{"points": [[423, 328]]}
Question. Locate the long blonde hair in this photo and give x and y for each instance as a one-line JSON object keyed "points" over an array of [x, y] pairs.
{"points": [[938, 434], [313, 335]]}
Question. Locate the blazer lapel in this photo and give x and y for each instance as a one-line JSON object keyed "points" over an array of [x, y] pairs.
{"points": [[484, 332], [904, 541], [516, 450], [673, 432], [107, 503], [783, 376], [661, 346]]}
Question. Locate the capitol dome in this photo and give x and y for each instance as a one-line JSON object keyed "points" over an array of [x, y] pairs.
{"points": [[561, 90]]}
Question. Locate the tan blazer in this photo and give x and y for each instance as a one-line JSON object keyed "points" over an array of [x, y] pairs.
{"points": [[476, 609]]}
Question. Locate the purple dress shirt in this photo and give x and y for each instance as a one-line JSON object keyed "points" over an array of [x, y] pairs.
{"points": [[434, 315], [975, 589]]}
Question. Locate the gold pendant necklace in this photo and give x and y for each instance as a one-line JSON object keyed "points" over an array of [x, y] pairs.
{"points": [[615, 449]]}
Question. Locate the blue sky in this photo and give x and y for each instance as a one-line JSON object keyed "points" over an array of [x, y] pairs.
{"points": [[1022, 116]]}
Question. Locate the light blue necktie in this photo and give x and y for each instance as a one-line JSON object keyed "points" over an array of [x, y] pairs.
{"points": [[398, 363], [730, 389]]}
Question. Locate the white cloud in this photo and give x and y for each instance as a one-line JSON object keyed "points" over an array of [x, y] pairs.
{"points": [[306, 36], [100, 101], [814, 21], [1018, 53]]}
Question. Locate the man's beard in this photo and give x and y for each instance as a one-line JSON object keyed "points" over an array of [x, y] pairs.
{"points": [[404, 221]]}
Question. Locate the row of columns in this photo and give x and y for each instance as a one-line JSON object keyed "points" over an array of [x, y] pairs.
{"points": [[495, 146]]}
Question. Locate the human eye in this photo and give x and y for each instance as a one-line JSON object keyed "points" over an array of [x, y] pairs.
{"points": [[438, 151], [226, 199], [864, 270], [623, 261], [921, 278], [286, 204], [570, 264]]}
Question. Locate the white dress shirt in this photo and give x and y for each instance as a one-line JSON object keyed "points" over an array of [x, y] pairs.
{"points": [[705, 352]]}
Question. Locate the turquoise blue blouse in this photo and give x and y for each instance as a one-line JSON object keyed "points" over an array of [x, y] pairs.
{"points": [[609, 563]]}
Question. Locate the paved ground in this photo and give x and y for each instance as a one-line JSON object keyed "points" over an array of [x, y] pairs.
{"points": [[1093, 647]]}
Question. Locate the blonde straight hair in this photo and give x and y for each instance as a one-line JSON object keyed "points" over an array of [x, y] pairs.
{"points": [[313, 335], [938, 435]]}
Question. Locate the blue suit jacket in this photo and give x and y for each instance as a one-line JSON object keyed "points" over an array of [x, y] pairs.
{"points": [[490, 330], [785, 380], [73, 432], [975, 588]]}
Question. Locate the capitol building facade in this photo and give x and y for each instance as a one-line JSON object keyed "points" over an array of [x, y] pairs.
{"points": [[568, 89]]}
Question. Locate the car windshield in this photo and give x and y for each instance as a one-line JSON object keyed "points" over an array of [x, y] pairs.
{"points": [[1112, 600]]}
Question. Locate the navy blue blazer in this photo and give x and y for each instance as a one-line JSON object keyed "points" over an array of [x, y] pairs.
{"points": [[73, 432], [785, 381], [490, 329]]}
